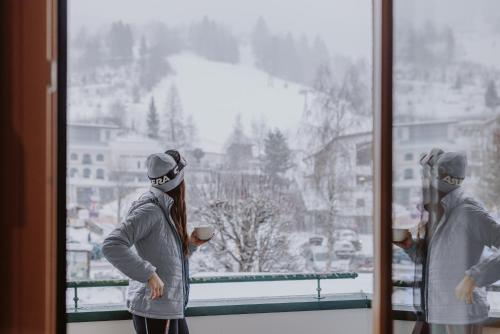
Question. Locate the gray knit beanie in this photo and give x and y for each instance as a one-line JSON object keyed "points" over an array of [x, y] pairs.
{"points": [[166, 170], [450, 169]]}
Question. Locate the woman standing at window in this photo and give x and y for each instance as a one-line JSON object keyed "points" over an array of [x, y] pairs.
{"points": [[159, 271]]}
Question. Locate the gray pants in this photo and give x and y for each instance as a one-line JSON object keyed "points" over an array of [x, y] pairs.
{"points": [[456, 329]]}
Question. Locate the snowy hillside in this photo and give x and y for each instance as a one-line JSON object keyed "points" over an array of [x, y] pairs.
{"points": [[217, 92], [209, 91]]}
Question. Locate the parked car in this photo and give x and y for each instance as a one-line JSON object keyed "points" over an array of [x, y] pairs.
{"points": [[361, 263], [343, 249], [348, 235]]}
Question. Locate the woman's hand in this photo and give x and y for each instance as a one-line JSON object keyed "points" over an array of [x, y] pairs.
{"points": [[406, 243], [464, 289], [196, 241], [156, 286]]}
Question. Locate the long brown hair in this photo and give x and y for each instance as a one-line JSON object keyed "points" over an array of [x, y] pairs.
{"points": [[179, 214]]}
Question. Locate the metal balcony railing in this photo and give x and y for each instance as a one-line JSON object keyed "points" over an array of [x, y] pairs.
{"points": [[75, 285]]}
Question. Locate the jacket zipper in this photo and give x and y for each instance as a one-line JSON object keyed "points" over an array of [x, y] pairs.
{"points": [[179, 246], [440, 223], [181, 252]]}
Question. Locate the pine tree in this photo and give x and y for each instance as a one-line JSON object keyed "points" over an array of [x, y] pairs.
{"points": [[261, 42], [117, 114], [491, 99], [174, 131], [450, 43], [191, 132], [136, 95], [152, 68], [92, 55], [120, 42], [238, 147], [214, 41], [277, 157], [152, 120], [143, 48]]}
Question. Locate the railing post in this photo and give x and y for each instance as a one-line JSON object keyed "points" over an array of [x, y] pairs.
{"points": [[318, 289], [75, 298]]}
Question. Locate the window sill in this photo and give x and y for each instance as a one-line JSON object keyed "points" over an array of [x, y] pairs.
{"points": [[198, 308]]}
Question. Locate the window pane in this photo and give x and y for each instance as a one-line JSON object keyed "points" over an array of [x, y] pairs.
{"points": [[268, 102], [446, 126]]}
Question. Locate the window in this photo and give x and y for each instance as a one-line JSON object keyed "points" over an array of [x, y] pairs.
{"points": [[408, 174], [99, 174], [283, 120], [87, 160], [360, 203], [86, 173], [440, 73], [73, 172], [73, 157], [364, 154]]}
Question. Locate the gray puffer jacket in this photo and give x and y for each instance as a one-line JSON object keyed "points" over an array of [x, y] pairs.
{"points": [[149, 227], [455, 250]]}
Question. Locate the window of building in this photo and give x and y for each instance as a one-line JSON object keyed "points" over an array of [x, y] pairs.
{"points": [[99, 174], [360, 203], [86, 173], [73, 172], [364, 154], [87, 159], [408, 174], [408, 156], [73, 156], [100, 157]]}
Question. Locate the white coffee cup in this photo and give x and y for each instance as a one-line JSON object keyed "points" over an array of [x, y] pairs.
{"points": [[204, 232], [399, 234]]}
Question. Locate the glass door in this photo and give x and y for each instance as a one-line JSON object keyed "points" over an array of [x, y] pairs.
{"points": [[446, 175]]}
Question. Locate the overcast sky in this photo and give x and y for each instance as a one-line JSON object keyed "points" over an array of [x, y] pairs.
{"points": [[345, 25]]}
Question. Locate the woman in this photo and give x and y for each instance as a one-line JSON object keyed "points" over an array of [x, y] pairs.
{"points": [[159, 271], [448, 249]]}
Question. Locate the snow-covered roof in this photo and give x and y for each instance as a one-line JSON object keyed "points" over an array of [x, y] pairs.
{"points": [[93, 125]]}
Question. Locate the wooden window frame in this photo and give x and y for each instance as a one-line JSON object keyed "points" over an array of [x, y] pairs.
{"points": [[33, 124], [382, 185], [33, 173]]}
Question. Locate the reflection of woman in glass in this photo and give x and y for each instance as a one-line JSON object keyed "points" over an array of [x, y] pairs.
{"points": [[159, 273], [449, 247]]}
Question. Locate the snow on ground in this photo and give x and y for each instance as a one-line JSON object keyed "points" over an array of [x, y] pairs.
{"points": [[212, 91]]}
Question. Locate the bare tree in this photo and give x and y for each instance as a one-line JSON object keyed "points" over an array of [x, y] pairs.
{"points": [[250, 222], [121, 184], [332, 112], [490, 181], [174, 131]]}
